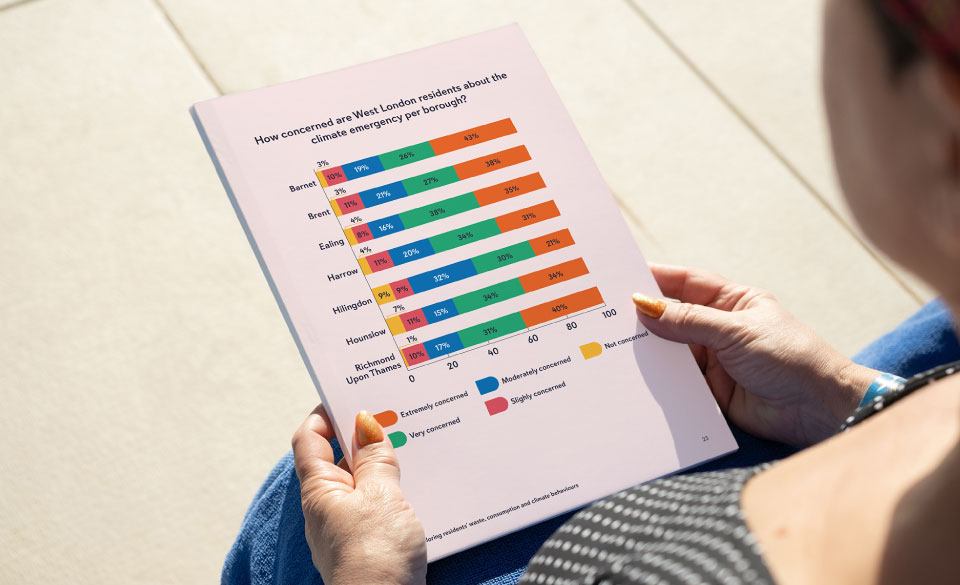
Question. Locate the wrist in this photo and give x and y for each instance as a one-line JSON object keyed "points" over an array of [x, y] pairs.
{"points": [[852, 381]]}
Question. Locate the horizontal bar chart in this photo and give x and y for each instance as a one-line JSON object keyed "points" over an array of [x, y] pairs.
{"points": [[449, 240], [424, 182], [501, 326], [441, 209], [489, 295], [470, 267], [416, 152]]}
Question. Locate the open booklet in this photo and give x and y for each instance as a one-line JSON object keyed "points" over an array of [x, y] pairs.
{"points": [[448, 257]]}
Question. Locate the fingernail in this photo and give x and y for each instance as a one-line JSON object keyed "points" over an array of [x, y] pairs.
{"points": [[368, 429], [649, 306]]}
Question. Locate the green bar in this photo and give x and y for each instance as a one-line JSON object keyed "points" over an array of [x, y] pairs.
{"points": [[405, 156], [438, 210], [491, 329], [426, 181], [490, 295], [465, 235], [503, 257]]}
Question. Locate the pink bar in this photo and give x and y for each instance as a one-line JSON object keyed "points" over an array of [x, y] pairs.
{"points": [[413, 320], [415, 354], [362, 233], [401, 289], [348, 204], [496, 405], [379, 261], [334, 175]]}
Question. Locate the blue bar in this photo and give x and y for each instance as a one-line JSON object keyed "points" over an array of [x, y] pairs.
{"points": [[351, 172], [439, 311], [410, 252], [434, 278], [433, 346], [383, 194], [385, 226]]}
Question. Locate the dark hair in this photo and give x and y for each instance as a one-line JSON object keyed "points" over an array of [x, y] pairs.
{"points": [[902, 51]]}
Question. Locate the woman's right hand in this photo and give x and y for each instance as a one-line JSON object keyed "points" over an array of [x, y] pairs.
{"points": [[771, 375]]}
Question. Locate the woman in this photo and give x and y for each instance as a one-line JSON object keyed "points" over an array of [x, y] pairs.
{"points": [[877, 504]]}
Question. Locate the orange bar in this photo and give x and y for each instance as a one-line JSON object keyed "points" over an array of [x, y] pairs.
{"points": [[508, 189], [472, 136], [551, 242], [554, 275], [530, 215], [563, 306], [386, 418], [497, 160]]}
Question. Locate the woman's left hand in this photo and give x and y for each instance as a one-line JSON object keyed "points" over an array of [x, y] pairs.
{"points": [[359, 527]]}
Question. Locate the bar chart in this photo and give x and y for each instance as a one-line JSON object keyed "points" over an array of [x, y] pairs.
{"points": [[400, 269]]}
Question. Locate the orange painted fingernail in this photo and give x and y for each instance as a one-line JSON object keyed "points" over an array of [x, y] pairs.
{"points": [[649, 306], [368, 429]]}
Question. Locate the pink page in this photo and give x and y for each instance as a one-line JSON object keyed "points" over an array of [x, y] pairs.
{"points": [[448, 257]]}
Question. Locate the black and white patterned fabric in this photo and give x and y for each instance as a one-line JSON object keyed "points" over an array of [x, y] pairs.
{"points": [[687, 529], [912, 385]]}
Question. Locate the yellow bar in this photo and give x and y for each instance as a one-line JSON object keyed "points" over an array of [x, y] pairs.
{"points": [[323, 182], [350, 237], [395, 325], [335, 207], [591, 350], [384, 294], [364, 266]]}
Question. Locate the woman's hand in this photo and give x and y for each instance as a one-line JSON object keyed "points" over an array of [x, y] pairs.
{"points": [[770, 374], [359, 527]]}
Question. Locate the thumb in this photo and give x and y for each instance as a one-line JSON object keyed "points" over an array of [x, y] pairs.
{"points": [[686, 322], [374, 460]]}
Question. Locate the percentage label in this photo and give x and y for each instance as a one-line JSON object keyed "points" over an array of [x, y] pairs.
{"points": [[383, 295], [559, 308], [355, 219], [553, 242], [411, 338], [339, 191], [490, 331], [528, 216], [359, 168], [464, 236], [441, 311], [385, 226], [322, 163], [491, 296], [398, 308], [492, 162], [511, 189], [554, 275], [414, 319], [383, 194], [441, 277], [430, 180], [380, 262], [366, 250], [411, 253], [348, 204], [403, 288], [504, 257], [404, 155], [443, 345], [467, 137], [437, 211], [416, 354]]}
